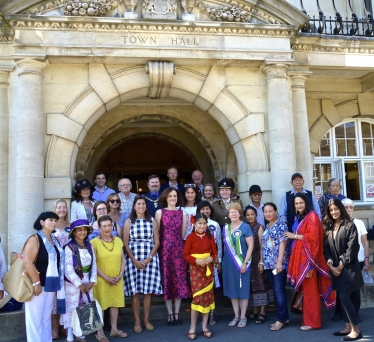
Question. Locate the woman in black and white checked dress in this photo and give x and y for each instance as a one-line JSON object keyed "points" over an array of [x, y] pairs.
{"points": [[141, 240]]}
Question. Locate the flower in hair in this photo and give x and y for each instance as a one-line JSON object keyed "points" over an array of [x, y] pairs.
{"points": [[192, 219]]}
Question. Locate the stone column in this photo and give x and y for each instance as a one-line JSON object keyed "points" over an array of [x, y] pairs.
{"points": [[4, 153], [301, 128], [281, 128], [29, 133]]}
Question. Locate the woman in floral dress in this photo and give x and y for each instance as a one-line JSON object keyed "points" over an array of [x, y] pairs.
{"points": [[80, 272], [172, 223]]}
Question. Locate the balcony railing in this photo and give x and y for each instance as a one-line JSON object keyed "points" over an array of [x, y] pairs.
{"points": [[338, 26]]}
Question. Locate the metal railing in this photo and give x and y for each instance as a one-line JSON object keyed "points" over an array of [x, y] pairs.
{"points": [[338, 26]]}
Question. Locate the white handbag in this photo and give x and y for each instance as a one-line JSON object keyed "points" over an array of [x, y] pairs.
{"points": [[87, 318], [367, 277]]}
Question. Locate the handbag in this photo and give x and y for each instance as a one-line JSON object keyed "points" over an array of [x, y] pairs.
{"points": [[17, 282], [87, 318], [297, 303]]}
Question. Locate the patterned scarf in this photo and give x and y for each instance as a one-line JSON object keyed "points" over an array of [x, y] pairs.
{"points": [[54, 281]]}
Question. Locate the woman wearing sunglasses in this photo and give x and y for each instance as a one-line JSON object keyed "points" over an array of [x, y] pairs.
{"points": [[113, 204]]}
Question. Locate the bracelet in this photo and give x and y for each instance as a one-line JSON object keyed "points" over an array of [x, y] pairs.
{"points": [[295, 236], [150, 256], [36, 284], [261, 263]]}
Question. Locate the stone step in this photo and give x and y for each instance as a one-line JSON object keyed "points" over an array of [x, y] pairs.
{"points": [[13, 323]]}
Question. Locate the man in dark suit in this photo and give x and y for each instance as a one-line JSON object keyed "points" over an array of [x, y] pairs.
{"points": [[172, 174], [153, 194]]}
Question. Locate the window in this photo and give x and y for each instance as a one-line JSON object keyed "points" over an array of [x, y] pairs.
{"points": [[346, 153]]}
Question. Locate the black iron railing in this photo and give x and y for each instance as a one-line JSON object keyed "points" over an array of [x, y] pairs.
{"points": [[338, 26]]}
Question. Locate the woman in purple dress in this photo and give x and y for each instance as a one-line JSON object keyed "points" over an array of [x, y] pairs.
{"points": [[172, 223]]}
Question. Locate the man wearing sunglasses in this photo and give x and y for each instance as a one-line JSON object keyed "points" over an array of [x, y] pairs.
{"points": [[101, 191]]}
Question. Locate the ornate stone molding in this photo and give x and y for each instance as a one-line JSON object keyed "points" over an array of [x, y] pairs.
{"points": [[30, 65], [159, 9], [160, 78], [274, 69], [96, 8], [41, 9], [332, 49], [232, 13], [176, 27]]}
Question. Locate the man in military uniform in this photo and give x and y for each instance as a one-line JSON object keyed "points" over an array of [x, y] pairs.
{"points": [[226, 187]]}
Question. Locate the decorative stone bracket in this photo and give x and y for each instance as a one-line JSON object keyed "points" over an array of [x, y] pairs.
{"points": [[160, 78]]}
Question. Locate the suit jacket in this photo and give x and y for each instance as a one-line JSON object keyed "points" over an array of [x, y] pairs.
{"points": [[344, 249], [78, 211], [220, 212], [166, 185], [151, 207]]}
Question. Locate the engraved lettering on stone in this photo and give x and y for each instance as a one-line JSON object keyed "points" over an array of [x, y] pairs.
{"points": [[160, 9], [185, 41], [139, 40], [97, 8], [225, 13]]}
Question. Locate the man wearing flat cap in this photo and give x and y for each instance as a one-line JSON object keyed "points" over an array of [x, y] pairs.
{"points": [[255, 194], [287, 212], [226, 187]]}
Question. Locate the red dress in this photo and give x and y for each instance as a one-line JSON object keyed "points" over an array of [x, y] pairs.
{"points": [[173, 268], [307, 254], [201, 277]]}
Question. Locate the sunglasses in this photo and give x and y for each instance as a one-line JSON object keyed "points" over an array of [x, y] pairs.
{"points": [[115, 201], [190, 185]]}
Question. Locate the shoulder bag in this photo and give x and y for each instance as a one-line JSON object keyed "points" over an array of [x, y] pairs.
{"points": [[17, 282]]}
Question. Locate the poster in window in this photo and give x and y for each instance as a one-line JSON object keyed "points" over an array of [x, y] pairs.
{"points": [[370, 190]]}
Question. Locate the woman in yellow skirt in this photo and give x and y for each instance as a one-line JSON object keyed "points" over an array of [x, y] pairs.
{"points": [[110, 267]]}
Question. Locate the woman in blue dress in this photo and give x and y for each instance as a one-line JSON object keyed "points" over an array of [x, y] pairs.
{"points": [[236, 275]]}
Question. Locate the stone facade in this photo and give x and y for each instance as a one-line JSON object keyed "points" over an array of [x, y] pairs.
{"points": [[249, 98]]}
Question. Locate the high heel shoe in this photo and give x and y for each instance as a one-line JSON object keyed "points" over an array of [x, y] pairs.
{"points": [[171, 320], [177, 320]]}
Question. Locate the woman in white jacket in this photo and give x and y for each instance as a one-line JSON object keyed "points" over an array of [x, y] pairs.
{"points": [[82, 204]]}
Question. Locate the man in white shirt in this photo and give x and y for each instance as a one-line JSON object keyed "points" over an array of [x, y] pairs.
{"points": [[125, 195]]}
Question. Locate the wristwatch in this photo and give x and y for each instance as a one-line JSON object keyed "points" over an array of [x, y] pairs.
{"points": [[35, 284]]}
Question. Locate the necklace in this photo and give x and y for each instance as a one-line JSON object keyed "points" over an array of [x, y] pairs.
{"points": [[200, 235], [86, 201], [112, 242]]}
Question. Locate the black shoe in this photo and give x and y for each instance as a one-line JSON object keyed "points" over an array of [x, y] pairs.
{"points": [[336, 317], [358, 337], [170, 321], [177, 320], [338, 333]]}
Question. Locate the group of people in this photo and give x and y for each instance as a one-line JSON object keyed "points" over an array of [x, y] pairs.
{"points": [[184, 241]]}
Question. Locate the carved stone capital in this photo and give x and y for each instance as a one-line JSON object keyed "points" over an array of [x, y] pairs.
{"points": [[30, 65], [4, 75], [274, 69], [160, 78], [298, 78]]}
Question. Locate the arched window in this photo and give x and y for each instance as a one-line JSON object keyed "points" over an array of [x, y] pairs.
{"points": [[346, 152]]}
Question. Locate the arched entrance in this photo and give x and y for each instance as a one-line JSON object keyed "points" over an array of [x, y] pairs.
{"points": [[137, 157]]}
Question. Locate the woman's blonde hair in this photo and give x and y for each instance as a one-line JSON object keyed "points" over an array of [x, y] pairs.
{"points": [[236, 206], [61, 200]]}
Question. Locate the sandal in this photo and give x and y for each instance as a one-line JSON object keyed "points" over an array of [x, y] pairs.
{"points": [[55, 334], [253, 316], [260, 319], [234, 322], [191, 336], [285, 323], [149, 326], [177, 321], [102, 338], [242, 323], [306, 328], [171, 320], [277, 326], [137, 329], [120, 333], [207, 334]]}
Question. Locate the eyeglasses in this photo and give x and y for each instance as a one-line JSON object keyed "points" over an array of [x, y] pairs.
{"points": [[349, 207], [125, 185], [190, 185], [115, 201], [101, 209]]}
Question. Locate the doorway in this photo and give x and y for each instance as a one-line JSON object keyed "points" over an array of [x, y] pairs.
{"points": [[138, 158]]}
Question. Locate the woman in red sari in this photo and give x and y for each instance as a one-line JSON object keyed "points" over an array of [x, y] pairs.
{"points": [[307, 269], [200, 252]]}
